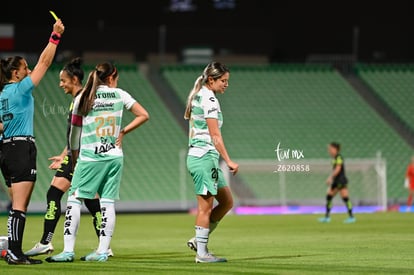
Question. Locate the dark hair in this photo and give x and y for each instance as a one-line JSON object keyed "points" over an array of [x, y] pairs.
{"points": [[73, 68], [6, 67], [214, 70], [335, 145], [97, 77]]}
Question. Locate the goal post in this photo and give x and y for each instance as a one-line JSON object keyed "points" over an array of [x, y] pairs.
{"points": [[269, 182]]}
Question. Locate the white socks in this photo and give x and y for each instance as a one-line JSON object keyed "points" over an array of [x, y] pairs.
{"points": [[107, 226], [202, 240], [72, 219]]}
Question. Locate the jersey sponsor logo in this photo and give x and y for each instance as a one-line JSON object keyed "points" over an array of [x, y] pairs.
{"points": [[68, 220], [212, 99], [105, 146], [212, 110], [103, 106], [106, 95], [7, 117]]}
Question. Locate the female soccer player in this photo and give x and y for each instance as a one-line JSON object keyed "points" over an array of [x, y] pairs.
{"points": [[18, 164], [409, 182], [206, 145], [337, 182], [96, 139], [71, 77]]}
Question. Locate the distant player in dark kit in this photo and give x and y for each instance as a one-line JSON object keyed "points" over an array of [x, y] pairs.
{"points": [[338, 182]]}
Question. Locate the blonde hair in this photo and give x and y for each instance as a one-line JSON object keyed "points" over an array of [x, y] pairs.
{"points": [[214, 70]]}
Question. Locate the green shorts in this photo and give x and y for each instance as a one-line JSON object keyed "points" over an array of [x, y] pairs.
{"points": [[102, 177], [206, 173]]}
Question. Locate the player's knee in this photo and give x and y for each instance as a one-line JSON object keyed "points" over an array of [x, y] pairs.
{"points": [[203, 211]]}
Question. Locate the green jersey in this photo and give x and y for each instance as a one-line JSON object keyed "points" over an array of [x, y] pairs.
{"points": [[204, 105], [101, 127]]}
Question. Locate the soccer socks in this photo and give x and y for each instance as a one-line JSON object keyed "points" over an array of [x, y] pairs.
{"points": [[72, 219], [202, 240], [328, 205], [348, 204], [15, 227], [107, 225], [52, 216], [94, 208]]}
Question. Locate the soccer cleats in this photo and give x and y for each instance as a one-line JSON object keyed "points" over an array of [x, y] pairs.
{"points": [[61, 257], [40, 249], [192, 244], [95, 257], [325, 220], [24, 260], [350, 220], [209, 258]]}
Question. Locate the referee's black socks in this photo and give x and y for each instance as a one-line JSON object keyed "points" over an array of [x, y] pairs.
{"points": [[16, 224]]}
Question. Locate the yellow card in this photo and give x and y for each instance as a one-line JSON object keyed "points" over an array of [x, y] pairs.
{"points": [[54, 15]]}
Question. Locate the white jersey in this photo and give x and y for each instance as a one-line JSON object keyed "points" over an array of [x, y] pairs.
{"points": [[102, 125], [204, 105]]}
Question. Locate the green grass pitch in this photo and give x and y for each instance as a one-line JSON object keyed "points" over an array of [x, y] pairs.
{"points": [[381, 243]]}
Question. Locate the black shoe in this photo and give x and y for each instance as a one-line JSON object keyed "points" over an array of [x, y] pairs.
{"points": [[22, 260]]}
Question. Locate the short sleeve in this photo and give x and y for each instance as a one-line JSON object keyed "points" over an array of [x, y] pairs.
{"points": [[339, 160], [26, 86], [127, 99], [210, 107]]}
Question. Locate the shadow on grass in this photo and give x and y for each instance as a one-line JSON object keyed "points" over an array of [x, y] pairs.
{"points": [[274, 257], [163, 255]]}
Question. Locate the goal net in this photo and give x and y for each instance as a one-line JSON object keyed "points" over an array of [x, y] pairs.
{"points": [[303, 182]]}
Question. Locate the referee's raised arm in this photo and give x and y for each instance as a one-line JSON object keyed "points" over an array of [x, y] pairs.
{"points": [[46, 57]]}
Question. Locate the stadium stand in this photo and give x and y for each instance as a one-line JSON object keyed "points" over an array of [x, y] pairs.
{"points": [[393, 83], [301, 106]]}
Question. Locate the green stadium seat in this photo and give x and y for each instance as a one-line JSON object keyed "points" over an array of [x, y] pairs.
{"points": [[393, 84]]}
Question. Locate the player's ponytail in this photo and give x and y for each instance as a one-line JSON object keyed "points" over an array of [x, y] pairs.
{"points": [[197, 86], [88, 92], [99, 76]]}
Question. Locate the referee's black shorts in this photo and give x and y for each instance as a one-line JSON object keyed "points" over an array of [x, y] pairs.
{"points": [[18, 161], [65, 169]]}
